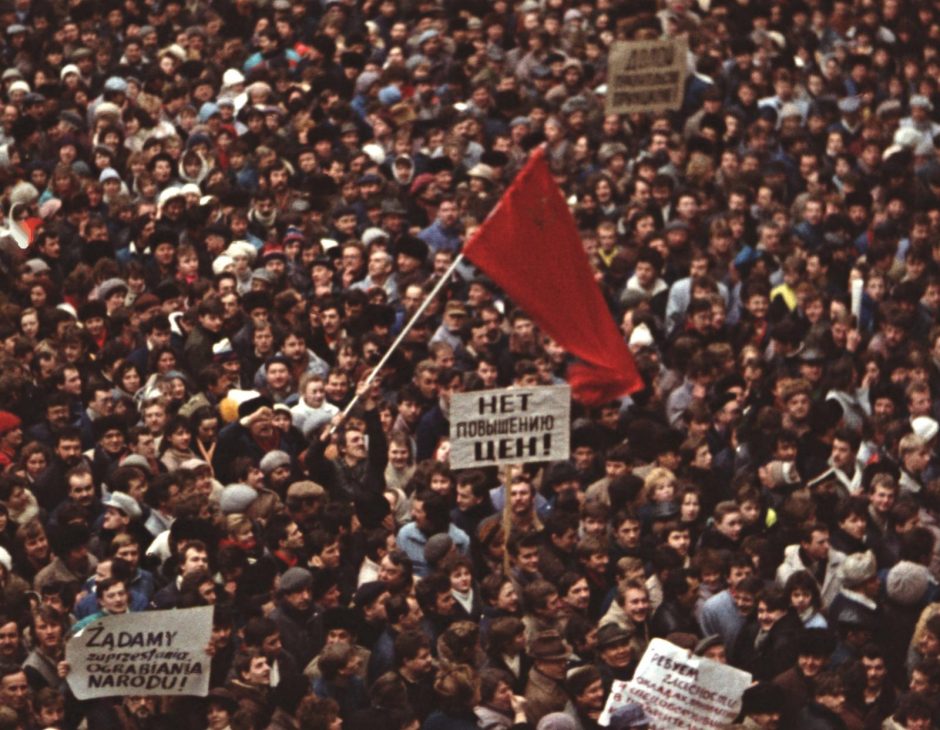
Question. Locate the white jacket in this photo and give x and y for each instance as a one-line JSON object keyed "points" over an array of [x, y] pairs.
{"points": [[832, 582]]}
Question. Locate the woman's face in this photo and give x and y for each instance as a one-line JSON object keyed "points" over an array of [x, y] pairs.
{"points": [[703, 457], [166, 362], [208, 429], [508, 599], [34, 465], [37, 299], [690, 508], [217, 717], [440, 484], [130, 382], [177, 389], [502, 697], [179, 439], [801, 599], [18, 500], [460, 579], [664, 491], [29, 323]]}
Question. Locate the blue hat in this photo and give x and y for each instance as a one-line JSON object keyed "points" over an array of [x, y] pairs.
{"points": [[849, 105], [389, 95], [427, 35], [629, 716], [116, 84], [207, 111]]}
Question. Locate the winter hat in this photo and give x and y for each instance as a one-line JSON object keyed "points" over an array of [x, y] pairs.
{"points": [[248, 409], [640, 337], [907, 583], [272, 460], [925, 427], [782, 473], [858, 568], [220, 263], [125, 503], [241, 248], [580, 678], [368, 592], [8, 422], [295, 579], [437, 547], [764, 698], [232, 77], [628, 716], [707, 643], [389, 95], [237, 498], [557, 721]]}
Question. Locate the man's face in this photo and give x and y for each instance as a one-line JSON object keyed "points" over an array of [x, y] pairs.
{"points": [[114, 519], [628, 534], [9, 641], [817, 547], [70, 451], [114, 600], [14, 691], [520, 498], [730, 526], [743, 600], [421, 664], [875, 671], [259, 672], [882, 499], [841, 454], [37, 548], [278, 376], [465, 497], [445, 603], [389, 572], [129, 553], [810, 665], [579, 595], [299, 600], [355, 445], [82, 490], [528, 559], [636, 604], [195, 560]]}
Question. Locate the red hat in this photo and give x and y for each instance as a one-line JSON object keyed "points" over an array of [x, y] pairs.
{"points": [[8, 422]]}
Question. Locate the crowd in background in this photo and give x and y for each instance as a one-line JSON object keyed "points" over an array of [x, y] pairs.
{"points": [[217, 215]]}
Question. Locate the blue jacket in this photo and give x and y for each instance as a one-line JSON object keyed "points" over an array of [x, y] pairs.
{"points": [[412, 541]]}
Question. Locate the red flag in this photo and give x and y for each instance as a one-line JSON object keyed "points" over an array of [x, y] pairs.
{"points": [[529, 245]]}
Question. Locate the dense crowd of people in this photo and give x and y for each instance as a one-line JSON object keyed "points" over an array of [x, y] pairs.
{"points": [[216, 217]]}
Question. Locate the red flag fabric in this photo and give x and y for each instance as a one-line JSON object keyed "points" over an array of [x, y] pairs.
{"points": [[529, 245]]}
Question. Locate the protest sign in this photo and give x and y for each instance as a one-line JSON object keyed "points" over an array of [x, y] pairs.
{"points": [[146, 653], [509, 426], [680, 690], [646, 76]]}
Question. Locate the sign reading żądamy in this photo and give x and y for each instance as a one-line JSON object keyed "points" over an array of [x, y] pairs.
{"points": [[646, 76], [509, 426], [143, 653], [680, 690]]}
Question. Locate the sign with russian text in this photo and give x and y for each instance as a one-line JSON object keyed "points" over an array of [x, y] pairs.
{"points": [[145, 653], [680, 690], [646, 76], [510, 426]]}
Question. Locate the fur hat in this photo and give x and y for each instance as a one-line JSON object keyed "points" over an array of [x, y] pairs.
{"points": [[907, 583]]}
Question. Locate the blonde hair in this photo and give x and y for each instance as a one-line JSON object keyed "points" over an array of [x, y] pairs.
{"points": [[656, 478]]}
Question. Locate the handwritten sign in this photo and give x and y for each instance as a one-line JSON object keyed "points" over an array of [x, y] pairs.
{"points": [[646, 76], [510, 426], [680, 690], [146, 653]]}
